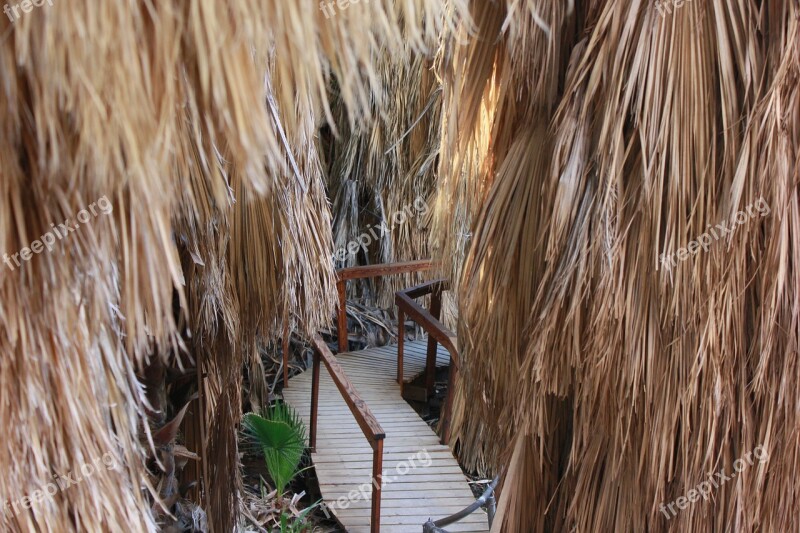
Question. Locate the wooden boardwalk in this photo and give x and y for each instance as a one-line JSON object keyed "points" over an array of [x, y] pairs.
{"points": [[421, 478]]}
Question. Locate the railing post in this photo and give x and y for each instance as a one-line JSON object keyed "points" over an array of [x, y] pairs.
{"points": [[341, 288], [430, 362], [341, 330], [401, 335], [377, 485], [362, 272], [312, 440], [438, 334]]}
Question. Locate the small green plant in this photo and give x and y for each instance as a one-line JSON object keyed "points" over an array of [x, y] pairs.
{"points": [[290, 524], [281, 436]]}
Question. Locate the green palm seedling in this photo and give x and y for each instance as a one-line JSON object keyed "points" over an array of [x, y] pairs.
{"points": [[281, 436]]}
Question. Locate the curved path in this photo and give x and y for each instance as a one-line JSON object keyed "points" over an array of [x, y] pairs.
{"points": [[422, 479]]}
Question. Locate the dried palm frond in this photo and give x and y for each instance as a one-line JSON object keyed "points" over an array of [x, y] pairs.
{"points": [[186, 116], [383, 173], [629, 383]]}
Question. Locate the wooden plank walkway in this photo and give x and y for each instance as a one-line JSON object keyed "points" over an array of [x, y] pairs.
{"points": [[422, 479]]}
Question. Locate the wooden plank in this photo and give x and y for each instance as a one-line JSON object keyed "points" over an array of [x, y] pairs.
{"points": [[336, 477], [411, 347], [405, 433], [402, 442], [387, 448], [405, 437], [383, 409], [405, 520], [334, 492], [438, 506], [388, 418], [415, 345], [455, 528], [365, 469], [424, 512], [394, 427], [404, 453], [389, 458], [397, 424], [391, 474], [391, 419]]}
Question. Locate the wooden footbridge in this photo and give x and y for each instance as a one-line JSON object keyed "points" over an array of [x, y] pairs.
{"points": [[380, 466]]}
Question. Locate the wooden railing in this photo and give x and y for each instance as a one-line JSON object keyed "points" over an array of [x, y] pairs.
{"points": [[366, 420], [437, 333], [342, 277], [369, 271]]}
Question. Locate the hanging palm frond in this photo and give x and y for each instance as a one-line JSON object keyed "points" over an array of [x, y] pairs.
{"points": [[633, 377], [186, 117]]}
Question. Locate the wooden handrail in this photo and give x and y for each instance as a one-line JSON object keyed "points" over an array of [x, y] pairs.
{"points": [[383, 269], [361, 411], [368, 271], [431, 324], [429, 287], [366, 420], [437, 332], [369, 425]]}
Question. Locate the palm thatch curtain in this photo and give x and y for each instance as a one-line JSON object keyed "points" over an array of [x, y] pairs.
{"points": [[382, 172], [197, 122], [623, 347]]}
